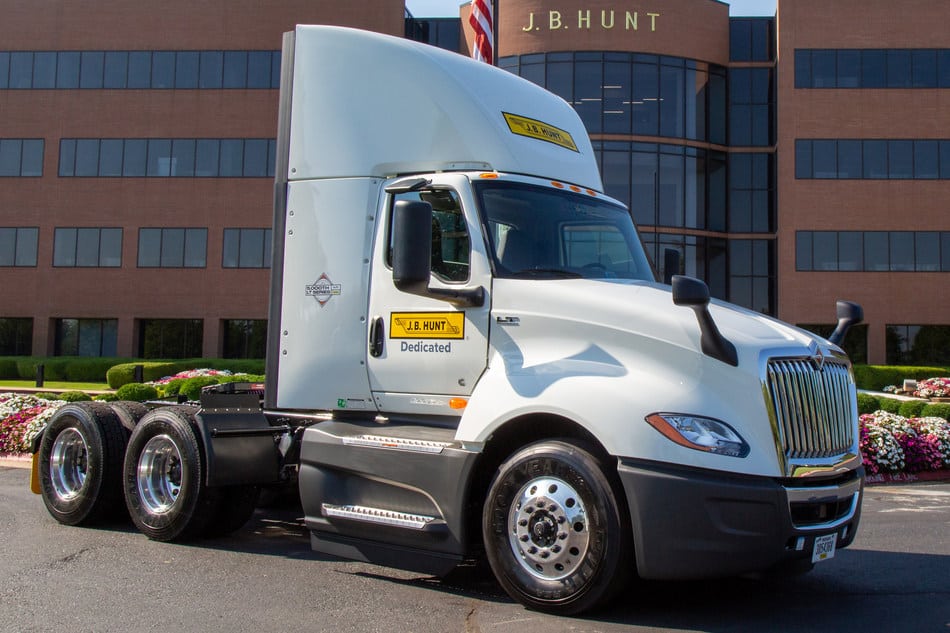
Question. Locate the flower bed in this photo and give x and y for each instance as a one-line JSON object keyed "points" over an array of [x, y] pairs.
{"points": [[933, 388], [22, 418], [891, 443]]}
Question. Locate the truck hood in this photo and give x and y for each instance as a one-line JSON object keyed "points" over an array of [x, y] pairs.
{"points": [[635, 315]]}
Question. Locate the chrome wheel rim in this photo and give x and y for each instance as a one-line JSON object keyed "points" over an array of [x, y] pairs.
{"points": [[159, 474], [68, 464], [549, 531]]}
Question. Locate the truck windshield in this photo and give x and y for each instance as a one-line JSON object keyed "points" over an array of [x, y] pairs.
{"points": [[540, 232]]}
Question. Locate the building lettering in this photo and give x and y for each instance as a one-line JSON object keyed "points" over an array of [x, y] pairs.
{"points": [[556, 21]]}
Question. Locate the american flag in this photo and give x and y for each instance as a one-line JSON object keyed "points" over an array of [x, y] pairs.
{"points": [[481, 21]]}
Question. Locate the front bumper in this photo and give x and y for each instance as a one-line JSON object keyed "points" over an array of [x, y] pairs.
{"points": [[691, 523]]}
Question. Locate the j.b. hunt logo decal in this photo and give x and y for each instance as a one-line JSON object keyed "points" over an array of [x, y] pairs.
{"points": [[427, 325], [323, 289]]}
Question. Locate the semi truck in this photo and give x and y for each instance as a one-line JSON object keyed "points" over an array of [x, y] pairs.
{"points": [[470, 357]]}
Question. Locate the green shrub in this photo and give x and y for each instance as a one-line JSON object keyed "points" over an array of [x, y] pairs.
{"points": [[867, 403], [876, 377], [173, 387], [912, 408], [136, 391], [8, 369], [75, 396], [124, 373], [106, 397], [936, 410], [191, 388], [47, 395], [891, 405]]}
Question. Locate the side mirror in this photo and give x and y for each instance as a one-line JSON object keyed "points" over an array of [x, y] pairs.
{"points": [[689, 291], [412, 255], [412, 245], [694, 293], [849, 313]]}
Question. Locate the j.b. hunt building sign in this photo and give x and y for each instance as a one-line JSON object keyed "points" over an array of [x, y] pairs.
{"points": [[588, 19]]}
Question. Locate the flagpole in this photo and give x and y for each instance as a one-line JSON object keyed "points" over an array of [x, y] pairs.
{"points": [[494, 31]]}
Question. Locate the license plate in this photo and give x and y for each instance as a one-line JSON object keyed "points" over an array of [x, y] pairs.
{"points": [[824, 547]]}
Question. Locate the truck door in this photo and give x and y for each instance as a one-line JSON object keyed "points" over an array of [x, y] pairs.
{"points": [[423, 351]]}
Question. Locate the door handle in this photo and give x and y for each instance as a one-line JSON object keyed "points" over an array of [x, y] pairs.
{"points": [[377, 334]]}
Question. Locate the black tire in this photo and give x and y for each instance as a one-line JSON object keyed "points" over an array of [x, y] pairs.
{"points": [[129, 412], [80, 468], [555, 530], [163, 477], [236, 504]]}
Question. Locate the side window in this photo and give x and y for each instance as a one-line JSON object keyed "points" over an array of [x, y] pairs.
{"points": [[450, 238]]}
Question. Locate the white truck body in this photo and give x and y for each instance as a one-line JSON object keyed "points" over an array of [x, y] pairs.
{"points": [[595, 357], [469, 356]]}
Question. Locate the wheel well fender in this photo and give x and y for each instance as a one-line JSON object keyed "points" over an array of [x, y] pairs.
{"points": [[505, 441]]}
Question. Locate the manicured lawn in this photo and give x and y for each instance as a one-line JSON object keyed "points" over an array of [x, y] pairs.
{"points": [[52, 384]]}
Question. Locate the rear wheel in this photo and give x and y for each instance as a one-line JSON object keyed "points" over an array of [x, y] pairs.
{"points": [[164, 477], [128, 412], [81, 463], [554, 529]]}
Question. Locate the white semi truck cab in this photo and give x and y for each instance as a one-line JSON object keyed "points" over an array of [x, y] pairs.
{"points": [[470, 356]]}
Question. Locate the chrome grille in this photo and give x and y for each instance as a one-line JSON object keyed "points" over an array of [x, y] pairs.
{"points": [[813, 407]]}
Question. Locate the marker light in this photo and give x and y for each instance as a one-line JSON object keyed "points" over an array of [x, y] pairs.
{"points": [[701, 434], [458, 403]]}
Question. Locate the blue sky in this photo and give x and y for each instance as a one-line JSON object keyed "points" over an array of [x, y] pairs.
{"points": [[450, 8]]}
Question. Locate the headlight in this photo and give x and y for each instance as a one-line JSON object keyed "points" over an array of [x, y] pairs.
{"points": [[702, 434]]}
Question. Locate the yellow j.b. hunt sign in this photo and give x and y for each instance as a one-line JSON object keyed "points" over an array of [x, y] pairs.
{"points": [[532, 128], [437, 325]]}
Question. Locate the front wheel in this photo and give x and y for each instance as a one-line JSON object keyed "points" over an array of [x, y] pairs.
{"points": [[554, 529]]}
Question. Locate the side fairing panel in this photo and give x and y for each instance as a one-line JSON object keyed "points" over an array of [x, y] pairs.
{"points": [[323, 329]]}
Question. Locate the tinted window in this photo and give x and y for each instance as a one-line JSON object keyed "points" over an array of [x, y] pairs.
{"points": [[924, 63], [849, 159], [159, 157], [87, 157], [849, 69], [4, 70], [803, 168], [823, 68], [67, 70], [258, 69], [183, 157], [44, 70], [116, 69], [873, 69], [235, 69], [211, 69], [140, 69], [134, 158], [90, 72], [875, 159], [900, 159], [67, 157], [926, 160], [163, 69], [186, 69], [21, 70], [899, 74], [206, 158], [31, 162], [10, 152], [110, 157]]}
